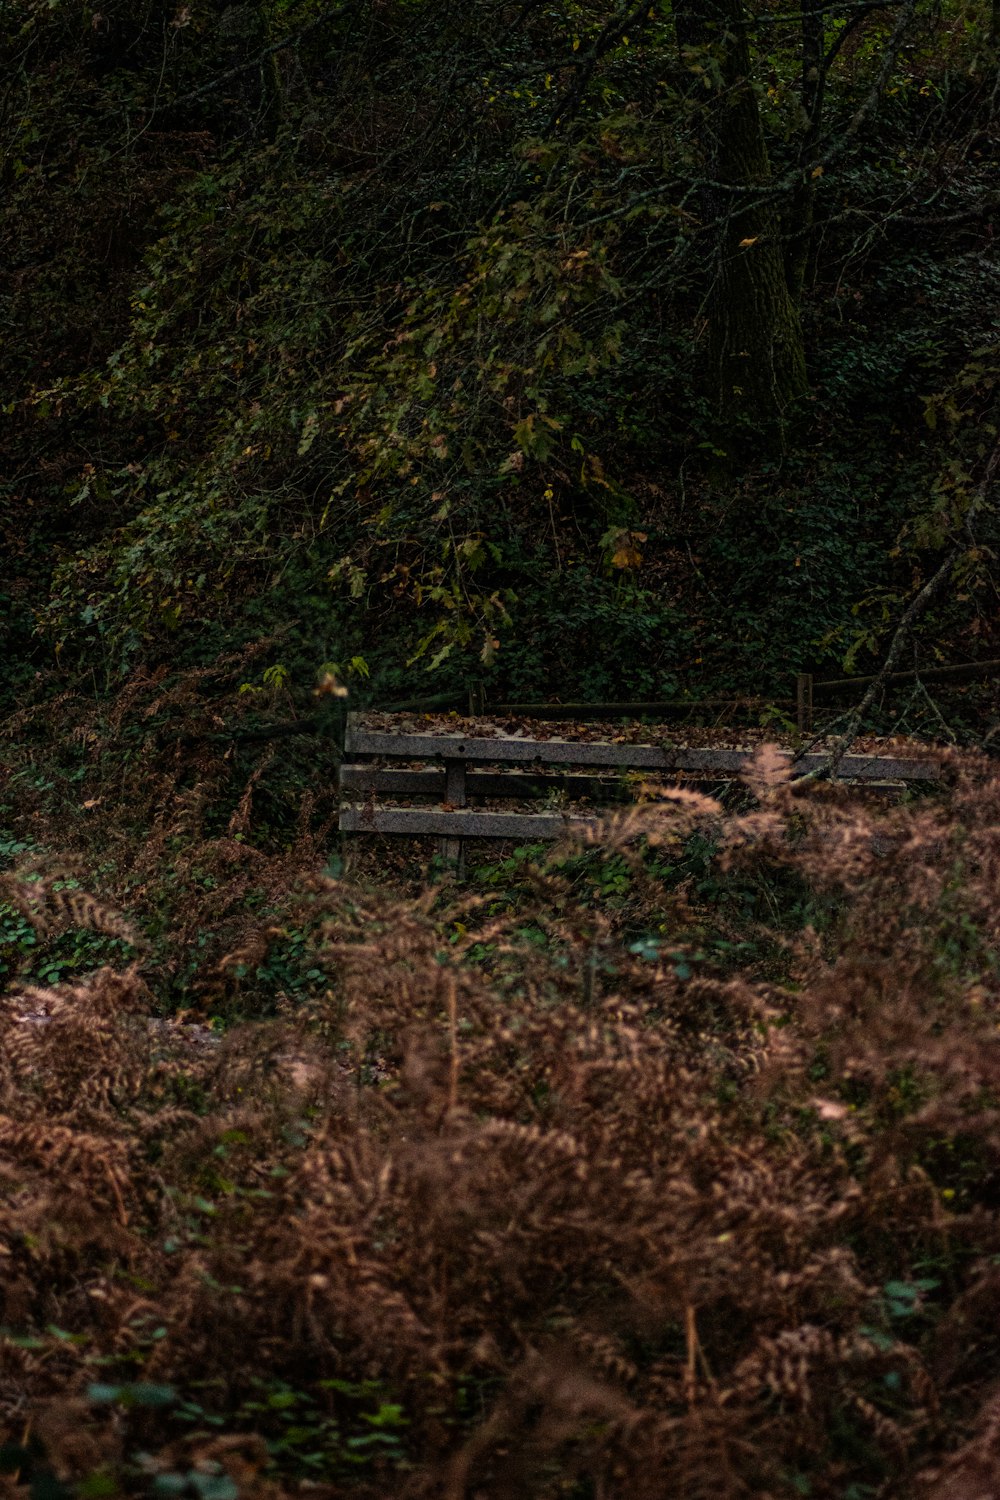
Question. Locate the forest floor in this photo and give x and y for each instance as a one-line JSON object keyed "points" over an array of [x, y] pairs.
{"points": [[661, 1161]]}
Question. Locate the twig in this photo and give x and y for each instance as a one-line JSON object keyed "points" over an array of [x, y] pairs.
{"points": [[452, 1009], [612, 33], [259, 733], [921, 690], [332, 12]]}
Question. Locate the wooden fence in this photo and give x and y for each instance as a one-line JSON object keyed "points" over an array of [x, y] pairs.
{"points": [[472, 698], [807, 690], [455, 769]]}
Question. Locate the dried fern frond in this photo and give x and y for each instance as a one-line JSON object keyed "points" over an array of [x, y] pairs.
{"points": [[580, 1211], [53, 902], [767, 771], [71, 1159], [80, 1046], [683, 799]]}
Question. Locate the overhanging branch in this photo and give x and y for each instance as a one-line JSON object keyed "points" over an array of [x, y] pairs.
{"points": [[917, 606]]}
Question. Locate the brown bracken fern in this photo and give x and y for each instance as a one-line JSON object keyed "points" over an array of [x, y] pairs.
{"points": [[563, 1212]]}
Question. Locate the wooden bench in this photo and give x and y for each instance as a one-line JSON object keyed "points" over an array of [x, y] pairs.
{"points": [[463, 768]]}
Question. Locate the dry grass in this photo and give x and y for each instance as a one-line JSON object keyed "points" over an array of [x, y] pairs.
{"points": [[552, 1219]]}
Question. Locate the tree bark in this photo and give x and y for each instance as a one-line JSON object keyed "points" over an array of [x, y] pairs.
{"points": [[756, 359], [801, 213]]}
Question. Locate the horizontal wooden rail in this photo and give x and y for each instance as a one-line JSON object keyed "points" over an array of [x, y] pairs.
{"points": [[423, 705], [665, 708], [961, 671], [465, 822], [651, 708], [506, 749], [433, 783]]}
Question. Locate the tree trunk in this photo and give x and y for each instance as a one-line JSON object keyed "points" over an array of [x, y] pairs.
{"points": [[802, 210], [756, 361], [252, 96]]}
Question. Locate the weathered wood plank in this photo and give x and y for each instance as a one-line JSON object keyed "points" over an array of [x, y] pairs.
{"points": [[873, 767], [522, 751], [462, 823], [452, 849], [512, 783], [516, 751]]}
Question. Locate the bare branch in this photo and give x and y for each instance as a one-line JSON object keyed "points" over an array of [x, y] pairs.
{"points": [[609, 37], [917, 606], [331, 13]]}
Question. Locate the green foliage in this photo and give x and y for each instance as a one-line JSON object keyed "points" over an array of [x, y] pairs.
{"points": [[60, 958], [17, 939], [599, 637], [394, 388], [131, 1394], [332, 1428]]}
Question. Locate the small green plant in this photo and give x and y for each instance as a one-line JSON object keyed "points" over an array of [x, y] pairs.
{"points": [[18, 940], [333, 1427]]}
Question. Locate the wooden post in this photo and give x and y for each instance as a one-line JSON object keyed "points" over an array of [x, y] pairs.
{"points": [[804, 702], [453, 850]]}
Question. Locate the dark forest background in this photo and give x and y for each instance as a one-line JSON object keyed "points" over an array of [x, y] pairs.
{"points": [[585, 350], [571, 349]]}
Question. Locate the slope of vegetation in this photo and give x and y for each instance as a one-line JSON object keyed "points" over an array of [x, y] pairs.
{"points": [[576, 349], [602, 351], [623, 1174]]}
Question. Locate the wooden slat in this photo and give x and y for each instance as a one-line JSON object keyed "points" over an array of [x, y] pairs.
{"points": [[454, 796], [462, 823], [645, 709], [872, 767], [364, 778], [955, 673], [515, 750], [513, 783]]}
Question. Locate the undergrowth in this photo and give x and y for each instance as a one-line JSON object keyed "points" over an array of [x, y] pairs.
{"points": [[523, 1192]]}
